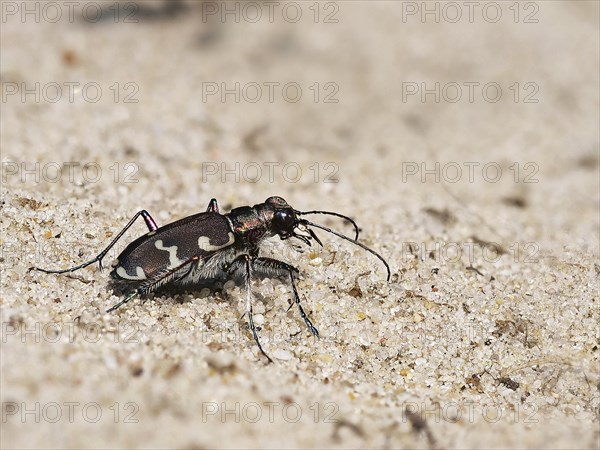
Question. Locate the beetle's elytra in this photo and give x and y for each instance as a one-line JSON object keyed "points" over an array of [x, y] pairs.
{"points": [[212, 245]]}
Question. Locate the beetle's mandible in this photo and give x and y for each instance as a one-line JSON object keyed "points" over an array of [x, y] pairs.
{"points": [[212, 245]]}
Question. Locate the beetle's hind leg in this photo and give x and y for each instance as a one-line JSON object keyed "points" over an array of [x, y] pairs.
{"points": [[131, 296], [213, 206], [155, 283], [150, 223]]}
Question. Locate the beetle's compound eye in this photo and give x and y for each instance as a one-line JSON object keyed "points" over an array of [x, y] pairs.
{"points": [[283, 221]]}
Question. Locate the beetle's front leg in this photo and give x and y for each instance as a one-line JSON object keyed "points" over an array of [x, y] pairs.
{"points": [[270, 267]]}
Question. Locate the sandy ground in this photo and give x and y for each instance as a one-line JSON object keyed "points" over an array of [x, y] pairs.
{"points": [[466, 147]]}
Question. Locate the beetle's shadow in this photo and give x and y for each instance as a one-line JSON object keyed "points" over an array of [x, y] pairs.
{"points": [[122, 288]]}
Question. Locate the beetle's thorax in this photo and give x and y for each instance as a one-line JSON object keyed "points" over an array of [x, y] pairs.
{"points": [[250, 224], [253, 224]]}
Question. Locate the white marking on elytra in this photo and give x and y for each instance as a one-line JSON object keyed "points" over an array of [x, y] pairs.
{"points": [[204, 243], [140, 275], [174, 261]]}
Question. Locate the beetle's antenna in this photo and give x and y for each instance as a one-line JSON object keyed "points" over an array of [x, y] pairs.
{"points": [[354, 241], [329, 213]]}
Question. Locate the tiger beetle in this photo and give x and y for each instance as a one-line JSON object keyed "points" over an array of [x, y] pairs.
{"points": [[211, 245]]}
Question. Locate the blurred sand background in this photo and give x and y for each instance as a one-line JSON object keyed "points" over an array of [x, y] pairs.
{"points": [[486, 336]]}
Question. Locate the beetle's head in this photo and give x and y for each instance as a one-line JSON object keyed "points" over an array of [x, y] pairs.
{"points": [[287, 222], [280, 217]]}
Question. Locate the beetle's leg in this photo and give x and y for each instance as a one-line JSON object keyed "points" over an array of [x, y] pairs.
{"points": [[244, 262], [270, 267], [213, 206], [149, 223], [153, 284], [122, 302]]}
